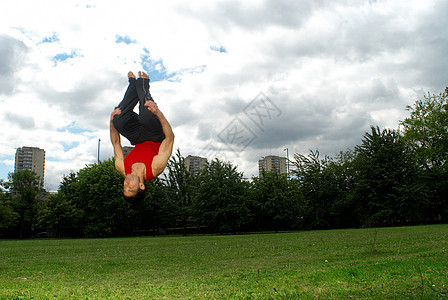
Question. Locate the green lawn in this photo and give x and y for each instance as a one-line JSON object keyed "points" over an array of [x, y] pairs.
{"points": [[397, 263]]}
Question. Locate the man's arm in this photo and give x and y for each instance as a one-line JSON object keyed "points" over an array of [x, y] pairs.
{"points": [[166, 147], [116, 142]]}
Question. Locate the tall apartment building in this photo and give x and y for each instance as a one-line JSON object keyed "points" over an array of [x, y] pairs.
{"points": [[195, 163], [33, 159], [272, 163]]}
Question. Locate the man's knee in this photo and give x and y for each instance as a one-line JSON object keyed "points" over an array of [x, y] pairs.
{"points": [[118, 122]]}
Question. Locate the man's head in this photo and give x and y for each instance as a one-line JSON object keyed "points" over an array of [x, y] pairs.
{"points": [[132, 186]]}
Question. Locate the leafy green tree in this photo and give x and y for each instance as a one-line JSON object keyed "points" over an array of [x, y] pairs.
{"points": [[96, 192], [327, 184], [320, 187], [221, 199], [426, 130], [180, 185], [7, 215], [341, 175], [74, 224], [278, 201], [153, 213], [66, 186], [59, 214], [27, 195], [386, 185]]}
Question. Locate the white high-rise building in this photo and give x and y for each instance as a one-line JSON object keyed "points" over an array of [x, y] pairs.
{"points": [[33, 159], [272, 163], [195, 163]]}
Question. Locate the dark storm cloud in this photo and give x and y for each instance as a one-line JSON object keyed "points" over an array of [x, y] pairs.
{"points": [[226, 14], [412, 48], [359, 39], [76, 101], [320, 121], [204, 131], [182, 114], [378, 94], [298, 122], [86, 101], [278, 121], [358, 35], [22, 122], [325, 133], [402, 52], [12, 54], [231, 104], [429, 61]]}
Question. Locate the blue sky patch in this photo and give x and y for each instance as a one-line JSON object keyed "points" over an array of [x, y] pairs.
{"points": [[52, 159], [157, 71], [5, 169], [69, 146], [73, 128], [64, 56], [220, 49], [154, 68], [124, 39], [51, 39]]}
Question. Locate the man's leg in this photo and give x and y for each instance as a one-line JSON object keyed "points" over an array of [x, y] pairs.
{"points": [[152, 128], [126, 122], [142, 87], [130, 98]]}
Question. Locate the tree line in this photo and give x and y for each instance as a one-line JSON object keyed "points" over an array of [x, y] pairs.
{"points": [[394, 177]]}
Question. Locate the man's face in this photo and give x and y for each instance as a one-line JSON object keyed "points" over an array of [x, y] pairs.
{"points": [[130, 185]]}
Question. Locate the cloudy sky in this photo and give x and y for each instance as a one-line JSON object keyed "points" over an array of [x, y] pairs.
{"points": [[237, 80]]}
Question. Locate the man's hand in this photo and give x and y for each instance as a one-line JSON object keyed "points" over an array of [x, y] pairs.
{"points": [[117, 111], [152, 107]]}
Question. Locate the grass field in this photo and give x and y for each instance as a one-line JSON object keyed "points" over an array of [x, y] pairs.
{"points": [[397, 263]]}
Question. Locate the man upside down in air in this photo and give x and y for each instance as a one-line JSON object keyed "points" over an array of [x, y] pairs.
{"points": [[150, 133]]}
